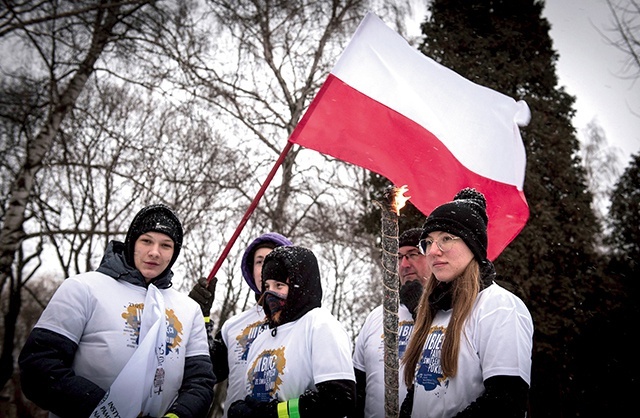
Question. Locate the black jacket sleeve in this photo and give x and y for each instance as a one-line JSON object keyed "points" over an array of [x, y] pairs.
{"points": [[218, 351], [361, 393], [48, 380], [503, 397], [407, 404], [195, 396], [334, 399]]}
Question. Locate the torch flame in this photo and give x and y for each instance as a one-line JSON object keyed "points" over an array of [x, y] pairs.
{"points": [[399, 199]]}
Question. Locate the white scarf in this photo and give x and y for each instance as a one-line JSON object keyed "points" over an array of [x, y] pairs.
{"points": [[137, 391]]}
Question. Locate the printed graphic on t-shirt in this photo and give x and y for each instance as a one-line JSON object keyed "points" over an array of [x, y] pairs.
{"points": [[174, 331], [245, 339], [132, 316], [429, 374], [265, 374], [404, 332]]}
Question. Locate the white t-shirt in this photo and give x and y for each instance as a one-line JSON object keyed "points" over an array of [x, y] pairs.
{"points": [[311, 350], [497, 340], [369, 357], [238, 333], [102, 315]]}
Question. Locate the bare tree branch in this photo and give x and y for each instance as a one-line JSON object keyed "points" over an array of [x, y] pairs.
{"points": [[625, 30]]}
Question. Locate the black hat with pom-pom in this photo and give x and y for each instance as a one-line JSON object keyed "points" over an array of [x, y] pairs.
{"points": [[466, 217]]}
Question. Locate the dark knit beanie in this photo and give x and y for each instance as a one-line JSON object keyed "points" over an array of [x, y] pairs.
{"points": [[465, 217], [410, 238], [154, 218]]}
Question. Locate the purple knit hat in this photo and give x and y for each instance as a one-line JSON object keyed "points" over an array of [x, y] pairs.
{"points": [[247, 258]]}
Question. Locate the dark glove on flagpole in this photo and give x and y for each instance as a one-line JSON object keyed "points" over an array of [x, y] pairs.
{"points": [[204, 293]]}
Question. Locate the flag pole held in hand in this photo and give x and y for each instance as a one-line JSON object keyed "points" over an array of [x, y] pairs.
{"points": [[249, 211]]}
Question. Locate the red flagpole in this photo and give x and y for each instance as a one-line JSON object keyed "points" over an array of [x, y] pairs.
{"points": [[249, 211]]}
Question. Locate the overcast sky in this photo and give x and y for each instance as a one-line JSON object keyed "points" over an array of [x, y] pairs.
{"points": [[589, 68]]}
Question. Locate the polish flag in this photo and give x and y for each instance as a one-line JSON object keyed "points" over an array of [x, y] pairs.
{"points": [[390, 109]]}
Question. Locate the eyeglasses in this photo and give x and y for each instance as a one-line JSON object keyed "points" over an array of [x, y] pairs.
{"points": [[444, 243], [410, 256]]}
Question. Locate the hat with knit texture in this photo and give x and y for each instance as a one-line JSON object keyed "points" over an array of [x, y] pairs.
{"points": [[268, 240], [154, 218], [465, 217], [410, 238]]}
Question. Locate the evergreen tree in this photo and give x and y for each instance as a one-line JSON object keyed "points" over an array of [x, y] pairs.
{"points": [[619, 308], [624, 217], [505, 45]]}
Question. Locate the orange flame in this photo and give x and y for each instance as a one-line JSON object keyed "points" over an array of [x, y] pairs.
{"points": [[399, 199]]}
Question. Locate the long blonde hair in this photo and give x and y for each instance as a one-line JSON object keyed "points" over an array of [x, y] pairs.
{"points": [[465, 289]]}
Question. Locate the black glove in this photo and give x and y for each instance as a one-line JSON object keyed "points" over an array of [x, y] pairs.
{"points": [[407, 404], [251, 408], [204, 293], [410, 294]]}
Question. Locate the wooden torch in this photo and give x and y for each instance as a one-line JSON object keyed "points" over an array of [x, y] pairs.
{"points": [[390, 211]]}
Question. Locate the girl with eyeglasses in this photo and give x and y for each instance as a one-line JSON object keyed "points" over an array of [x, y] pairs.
{"points": [[470, 351]]}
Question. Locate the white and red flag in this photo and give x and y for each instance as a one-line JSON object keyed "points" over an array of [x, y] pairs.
{"points": [[390, 109]]}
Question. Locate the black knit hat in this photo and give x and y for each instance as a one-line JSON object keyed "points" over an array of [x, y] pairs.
{"points": [[465, 217], [154, 218], [410, 238]]}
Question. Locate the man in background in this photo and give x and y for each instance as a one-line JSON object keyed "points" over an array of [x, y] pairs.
{"points": [[368, 357]]}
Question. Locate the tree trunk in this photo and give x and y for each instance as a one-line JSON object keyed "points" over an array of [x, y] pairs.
{"points": [[12, 232]]}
